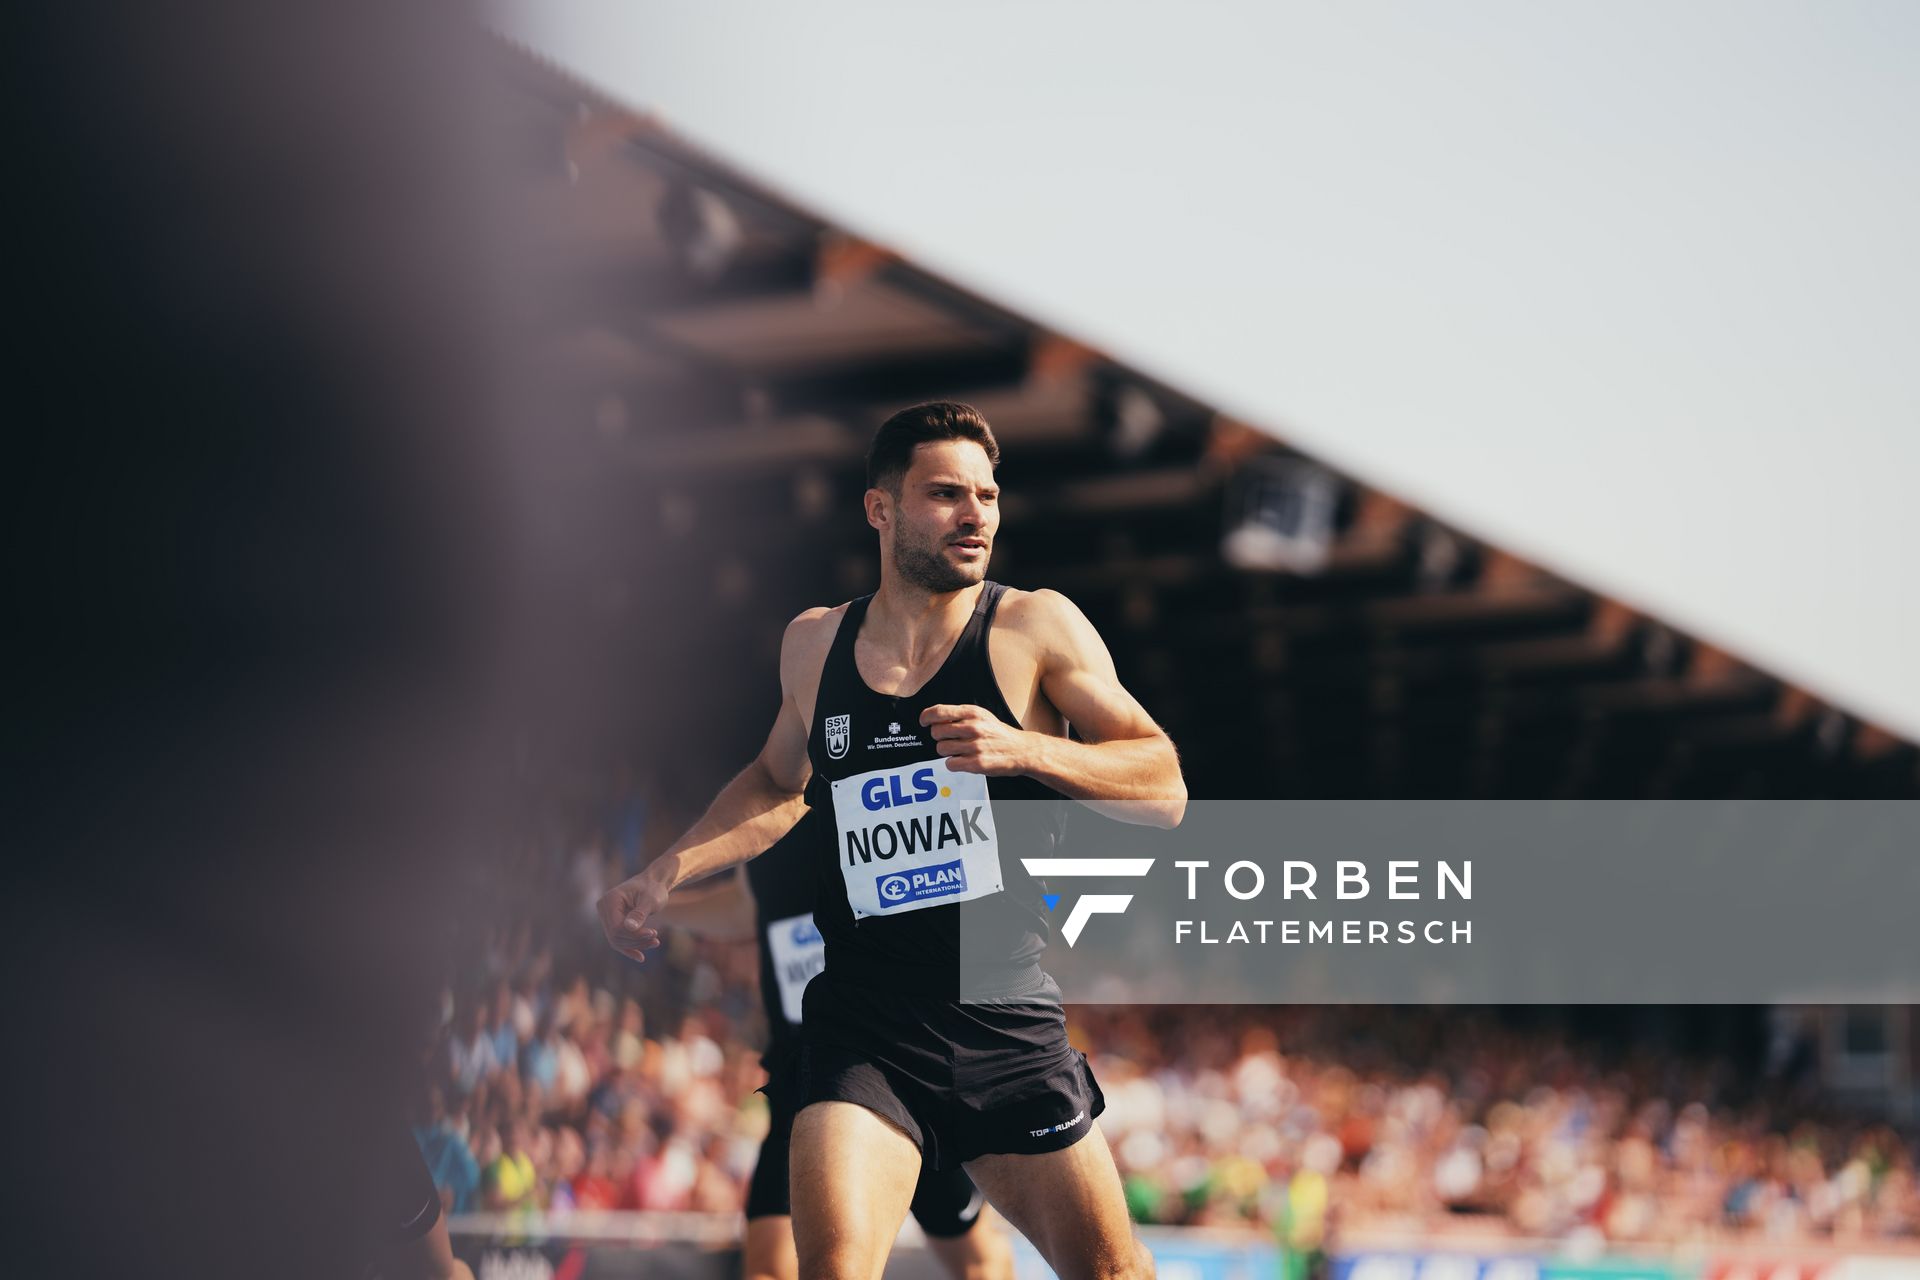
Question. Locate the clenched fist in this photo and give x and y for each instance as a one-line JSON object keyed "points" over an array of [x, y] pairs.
{"points": [[974, 740]]}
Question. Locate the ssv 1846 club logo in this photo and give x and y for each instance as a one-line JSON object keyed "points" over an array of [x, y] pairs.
{"points": [[1091, 904], [839, 735]]}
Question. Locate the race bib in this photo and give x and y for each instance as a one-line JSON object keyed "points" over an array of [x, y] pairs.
{"points": [[798, 952], [914, 836]]}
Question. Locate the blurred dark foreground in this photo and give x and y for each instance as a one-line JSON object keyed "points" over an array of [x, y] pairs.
{"points": [[262, 555]]}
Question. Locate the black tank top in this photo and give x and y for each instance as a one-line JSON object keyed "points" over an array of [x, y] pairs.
{"points": [[920, 951]]}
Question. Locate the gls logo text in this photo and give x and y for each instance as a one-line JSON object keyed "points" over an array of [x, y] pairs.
{"points": [[886, 793], [1092, 904]]}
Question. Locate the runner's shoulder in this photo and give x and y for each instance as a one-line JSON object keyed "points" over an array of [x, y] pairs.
{"points": [[809, 636], [811, 626], [1040, 615]]}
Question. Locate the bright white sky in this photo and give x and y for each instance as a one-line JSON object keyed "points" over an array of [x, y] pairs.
{"points": [[1630, 288]]}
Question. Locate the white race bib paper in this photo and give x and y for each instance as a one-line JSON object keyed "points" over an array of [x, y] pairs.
{"points": [[798, 953], [915, 836]]}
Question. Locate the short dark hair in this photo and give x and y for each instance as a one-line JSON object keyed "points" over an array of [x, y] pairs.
{"points": [[900, 435]]}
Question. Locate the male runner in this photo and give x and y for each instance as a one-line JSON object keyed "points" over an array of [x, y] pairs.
{"points": [[914, 697], [773, 906]]}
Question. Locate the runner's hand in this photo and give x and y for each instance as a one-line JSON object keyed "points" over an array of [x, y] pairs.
{"points": [[623, 914], [974, 740]]}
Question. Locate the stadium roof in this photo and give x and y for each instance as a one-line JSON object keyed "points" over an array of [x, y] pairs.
{"points": [[737, 350], [1631, 292]]}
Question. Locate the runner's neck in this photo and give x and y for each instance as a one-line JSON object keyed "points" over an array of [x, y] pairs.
{"points": [[917, 627]]}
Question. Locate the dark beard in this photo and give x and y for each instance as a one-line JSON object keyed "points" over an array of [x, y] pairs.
{"points": [[922, 565]]}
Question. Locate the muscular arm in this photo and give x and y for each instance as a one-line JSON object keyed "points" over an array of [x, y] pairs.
{"points": [[751, 812], [1127, 767], [744, 820]]}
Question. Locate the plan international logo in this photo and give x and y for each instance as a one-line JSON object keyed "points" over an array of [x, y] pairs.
{"points": [[1092, 904]]}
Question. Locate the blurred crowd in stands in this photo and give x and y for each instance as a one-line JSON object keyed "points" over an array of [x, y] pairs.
{"points": [[565, 1078], [1436, 1119]]}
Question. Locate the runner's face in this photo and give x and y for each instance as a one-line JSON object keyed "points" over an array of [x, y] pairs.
{"points": [[946, 516]]}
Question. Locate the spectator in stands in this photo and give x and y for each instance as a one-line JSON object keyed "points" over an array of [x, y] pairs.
{"points": [[471, 1057], [455, 1172], [510, 1184], [597, 1187], [506, 1040], [540, 1059]]}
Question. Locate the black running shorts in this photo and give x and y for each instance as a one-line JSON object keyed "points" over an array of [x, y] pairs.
{"points": [[961, 1080], [946, 1204]]}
